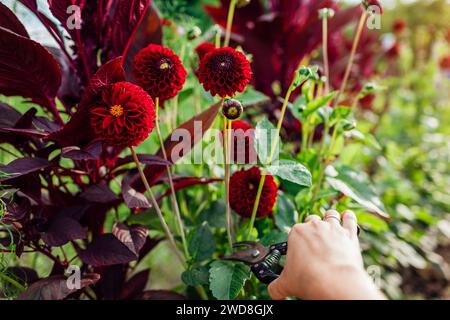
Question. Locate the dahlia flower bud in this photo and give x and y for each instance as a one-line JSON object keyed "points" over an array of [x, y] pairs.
{"points": [[125, 116], [326, 13], [224, 71], [232, 109], [243, 3], [194, 33], [159, 71], [306, 73], [244, 188]]}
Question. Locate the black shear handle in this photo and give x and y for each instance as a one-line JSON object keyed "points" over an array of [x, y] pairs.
{"points": [[263, 270]]}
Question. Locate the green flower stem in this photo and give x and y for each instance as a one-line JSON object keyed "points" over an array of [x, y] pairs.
{"points": [[326, 162], [269, 160], [226, 136], [362, 21], [167, 231], [173, 195], [230, 22]]}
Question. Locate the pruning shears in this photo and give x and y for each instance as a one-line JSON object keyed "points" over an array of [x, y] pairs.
{"points": [[261, 259]]}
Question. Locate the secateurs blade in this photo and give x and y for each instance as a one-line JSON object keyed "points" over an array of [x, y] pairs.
{"points": [[261, 259]]}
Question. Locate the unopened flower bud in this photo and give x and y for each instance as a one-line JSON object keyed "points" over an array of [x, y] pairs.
{"points": [[232, 109], [326, 13], [194, 33], [243, 3]]}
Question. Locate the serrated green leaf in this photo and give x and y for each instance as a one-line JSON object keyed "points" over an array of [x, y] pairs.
{"points": [[291, 171], [196, 277], [356, 185], [202, 243], [264, 139], [297, 107], [286, 215], [227, 279]]}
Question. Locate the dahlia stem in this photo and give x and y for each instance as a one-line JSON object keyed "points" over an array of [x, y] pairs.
{"points": [[167, 231], [230, 22], [326, 64], [173, 195], [226, 155], [362, 21], [218, 38], [269, 159]]}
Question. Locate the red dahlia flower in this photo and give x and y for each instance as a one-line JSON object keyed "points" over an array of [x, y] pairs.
{"points": [[244, 151], [243, 188], [203, 49], [126, 116], [444, 63], [159, 71], [224, 71]]}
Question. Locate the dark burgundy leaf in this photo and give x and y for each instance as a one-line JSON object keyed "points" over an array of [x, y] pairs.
{"points": [[133, 237], [8, 20], [135, 286], [204, 121], [8, 116], [124, 22], [186, 182], [23, 166], [55, 288], [106, 250], [59, 10], [132, 197], [16, 209], [99, 193], [63, 229], [27, 69], [144, 159], [25, 132], [45, 124], [149, 31], [78, 131], [161, 295], [91, 152]]}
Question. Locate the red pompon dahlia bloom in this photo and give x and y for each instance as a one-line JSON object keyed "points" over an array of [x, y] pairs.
{"points": [[243, 139], [203, 49], [224, 71], [399, 26], [125, 117], [159, 71], [243, 189]]}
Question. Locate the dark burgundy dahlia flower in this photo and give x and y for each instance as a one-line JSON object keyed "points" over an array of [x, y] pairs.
{"points": [[126, 116], [203, 49], [243, 136], [159, 71], [243, 189], [224, 71]]}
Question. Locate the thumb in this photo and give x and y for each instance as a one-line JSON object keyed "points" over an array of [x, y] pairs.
{"points": [[276, 289]]}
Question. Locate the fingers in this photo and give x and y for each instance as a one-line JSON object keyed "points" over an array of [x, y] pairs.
{"points": [[333, 217], [276, 290], [350, 223], [312, 217]]}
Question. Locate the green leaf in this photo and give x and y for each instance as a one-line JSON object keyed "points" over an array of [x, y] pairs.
{"points": [[356, 185], [227, 279], [264, 138], [202, 243], [367, 139], [314, 105], [196, 277], [286, 215], [252, 97], [214, 214], [297, 107], [273, 237], [291, 171]]}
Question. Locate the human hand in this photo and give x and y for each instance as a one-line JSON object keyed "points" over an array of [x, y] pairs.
{"points": [[324, 261]]}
